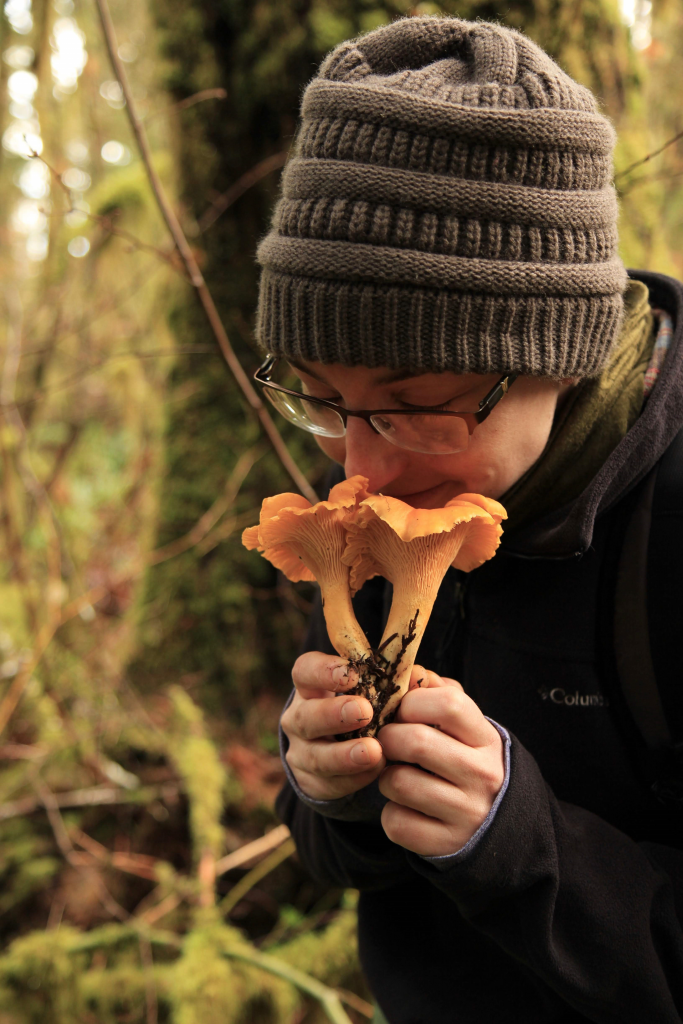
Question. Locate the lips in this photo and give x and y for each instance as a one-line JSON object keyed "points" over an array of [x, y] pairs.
{"points": [[432, 497]]}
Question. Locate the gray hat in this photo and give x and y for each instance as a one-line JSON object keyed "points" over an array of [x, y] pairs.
{"points": [[449, 207]]}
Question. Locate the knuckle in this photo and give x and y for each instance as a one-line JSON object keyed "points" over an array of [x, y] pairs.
{"points": [[399, 781], [298, 720], [298, 669], [394, 823], [455, 700], [420, 742], [491, 779]]}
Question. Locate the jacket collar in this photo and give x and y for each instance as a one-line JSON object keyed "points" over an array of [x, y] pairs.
{"points": [[568, 531]]}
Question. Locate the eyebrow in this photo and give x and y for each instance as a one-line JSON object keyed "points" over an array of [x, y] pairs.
{"points": [[393, 377]]}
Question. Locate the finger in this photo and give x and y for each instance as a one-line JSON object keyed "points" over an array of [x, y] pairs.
{"points": [[428, 794], [451, 710], [335, 787], [439, 753], [325, 716], [418, 833], [316, 674], [423, 677], [327, 759]]}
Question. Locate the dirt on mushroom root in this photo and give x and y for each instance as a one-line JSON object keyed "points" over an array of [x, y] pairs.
{"points": [[376, 680]]}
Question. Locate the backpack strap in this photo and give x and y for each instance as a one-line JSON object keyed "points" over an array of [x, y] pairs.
{"points": [[632, 639], [665, 585], [648, 622]]}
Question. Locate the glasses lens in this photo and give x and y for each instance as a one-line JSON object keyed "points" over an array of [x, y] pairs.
{"points": [[317, 419], [433, 435]]}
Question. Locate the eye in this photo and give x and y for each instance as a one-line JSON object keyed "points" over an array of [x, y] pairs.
{"points": [[320, 391], [435, 408]]}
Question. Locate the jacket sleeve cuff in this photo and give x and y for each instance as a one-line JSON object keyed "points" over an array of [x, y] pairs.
{"points": [[447, 860], [364, 805]]}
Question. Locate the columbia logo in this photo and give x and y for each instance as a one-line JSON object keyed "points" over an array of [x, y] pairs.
{"points": [[558, 695]]}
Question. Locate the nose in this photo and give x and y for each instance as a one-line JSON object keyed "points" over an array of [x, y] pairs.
{"points": [[371, 455]]}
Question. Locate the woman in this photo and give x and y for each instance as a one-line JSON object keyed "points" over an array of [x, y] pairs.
{"points": [[449, 223]]}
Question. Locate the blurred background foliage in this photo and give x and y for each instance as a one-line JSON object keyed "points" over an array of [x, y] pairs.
{"points": [[144, 655]]}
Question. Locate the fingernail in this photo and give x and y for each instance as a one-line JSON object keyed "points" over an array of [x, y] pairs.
{"points": [[350, 711], [344, 675], [359, 754], [340, 675]]}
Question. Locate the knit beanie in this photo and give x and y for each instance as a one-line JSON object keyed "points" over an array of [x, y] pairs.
{"points": [[449, 207]]}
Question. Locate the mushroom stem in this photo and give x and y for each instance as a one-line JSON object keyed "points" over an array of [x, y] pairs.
{"points": [[345, 634], [416, 584]]}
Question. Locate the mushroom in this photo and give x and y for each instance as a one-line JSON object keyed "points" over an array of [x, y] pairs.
{"points": [[306, 542], [413, 548]]}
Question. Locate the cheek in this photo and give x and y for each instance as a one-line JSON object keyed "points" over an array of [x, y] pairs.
{"points": [[334, 448]]}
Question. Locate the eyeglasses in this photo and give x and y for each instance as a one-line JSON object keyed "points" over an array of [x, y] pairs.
{"points": [[430, 431]]}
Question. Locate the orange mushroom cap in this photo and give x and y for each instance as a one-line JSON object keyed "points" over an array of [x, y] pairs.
{"points": [[367, 553], [301, 539], [490, 505]]}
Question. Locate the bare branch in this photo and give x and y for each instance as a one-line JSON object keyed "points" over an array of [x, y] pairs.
{"points": [[361, 1006], [95, 796], [189, 101], [239, 891], [242, 185], [192, 266], [329, 998], [650, 156], [61, 835], [644, 178], [39, 396], [168, 257], [212, 515], [159, 910], [140, 864], [253, 851]]}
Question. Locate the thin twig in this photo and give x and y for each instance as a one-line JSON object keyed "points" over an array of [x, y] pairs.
{"points": [[139, 864], [240, 890], [360, 1005], [664, 176], [159, 910], [327, 997], [191, 264], [65, 845], [95, 796], [242, 185], [189, 101], [253, 850], [650, 156], [203, 525], [75, 378], [107, 222]]}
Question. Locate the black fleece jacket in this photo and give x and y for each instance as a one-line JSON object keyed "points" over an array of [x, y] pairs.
{"points": [[569, 908]]}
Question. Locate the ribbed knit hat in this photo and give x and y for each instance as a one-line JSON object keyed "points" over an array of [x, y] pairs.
{"points": [[449, 207]]}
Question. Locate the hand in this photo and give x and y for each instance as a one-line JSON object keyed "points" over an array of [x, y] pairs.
{"points": [[437, 814], [323, 767]]}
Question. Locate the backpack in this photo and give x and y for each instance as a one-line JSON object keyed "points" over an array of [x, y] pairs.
{"points": [[647, 624]]}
